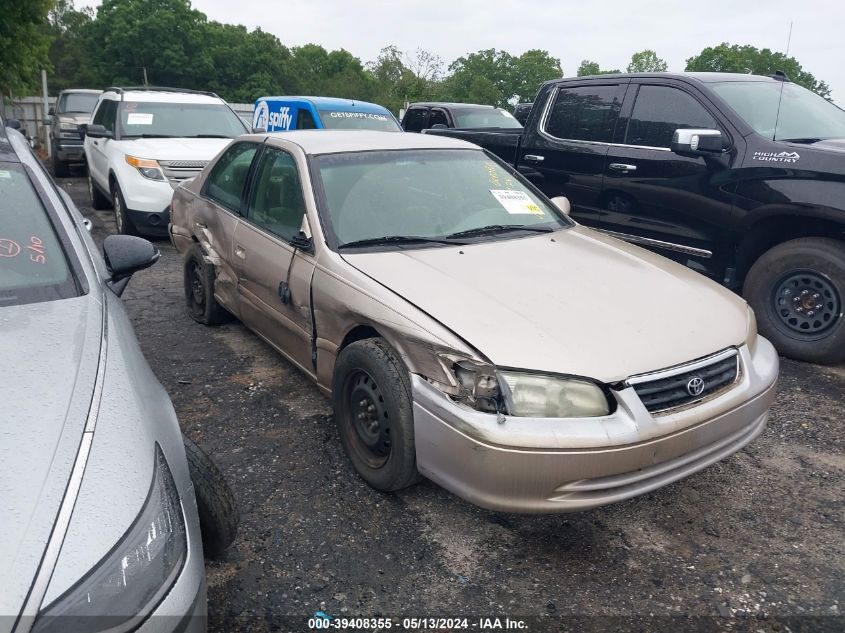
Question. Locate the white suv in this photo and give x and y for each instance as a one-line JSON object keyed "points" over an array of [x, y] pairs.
{"points": [[142, 142]]}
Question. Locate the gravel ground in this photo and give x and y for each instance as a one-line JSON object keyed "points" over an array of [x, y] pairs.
{"points": [[759, 536]]}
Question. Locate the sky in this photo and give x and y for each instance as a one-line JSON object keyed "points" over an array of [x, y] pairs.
{"points": [[606, 31]]}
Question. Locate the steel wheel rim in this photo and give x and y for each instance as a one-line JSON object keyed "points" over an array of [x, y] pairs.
{"points": [[118, 212], [806, 304], [196, 289], [369, 421]]}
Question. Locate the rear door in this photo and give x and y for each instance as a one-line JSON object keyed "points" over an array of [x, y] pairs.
{"points": [[651, 192], [565, 154], [275, 277]]}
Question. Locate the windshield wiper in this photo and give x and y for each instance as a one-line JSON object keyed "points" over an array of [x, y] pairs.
{"points": [[400, 239], [809, 140], [501, 228], [150, 136], [207, 136]]}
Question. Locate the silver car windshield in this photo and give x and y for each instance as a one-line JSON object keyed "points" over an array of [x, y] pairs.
{"points": [[33, 266], [191, 120], [428, 195], [804, 115]]}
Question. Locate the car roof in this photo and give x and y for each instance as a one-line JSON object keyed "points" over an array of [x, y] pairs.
{"points": [[449, 104], [703, 77], [317, 142], [81, 90], [332, 103], [161, 95]]}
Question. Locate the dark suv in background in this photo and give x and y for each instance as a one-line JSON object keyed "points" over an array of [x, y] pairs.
{"points": [[73, 108], [740, 177]]}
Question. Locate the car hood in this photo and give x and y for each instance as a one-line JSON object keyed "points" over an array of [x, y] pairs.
{"points": [[572, 302], [175, 148], [76, 117], [47, 374]]}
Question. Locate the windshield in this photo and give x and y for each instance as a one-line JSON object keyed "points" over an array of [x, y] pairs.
{"points": [[427, 194], [78, 102], [803, 114], [484, 117], [32, 263], [334, 120], [145, 118]]}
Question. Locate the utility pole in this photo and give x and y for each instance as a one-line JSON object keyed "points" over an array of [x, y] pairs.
{"points": [[44, 111], [145, 76]]}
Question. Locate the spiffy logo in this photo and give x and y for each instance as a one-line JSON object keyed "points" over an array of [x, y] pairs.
{"points": [[280, 120], [777, 157], [261, 115]]}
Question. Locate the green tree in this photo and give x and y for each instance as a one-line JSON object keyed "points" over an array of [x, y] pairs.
{"points": [[71, 58], [165, 37], [483, 77], [646, 61], [589, 67], [24, 44], [399, 77], [530, 70], [734, 58], [331, 73]]}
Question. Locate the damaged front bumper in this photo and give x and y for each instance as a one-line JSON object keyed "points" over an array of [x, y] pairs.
{"points": [[568, 465]]}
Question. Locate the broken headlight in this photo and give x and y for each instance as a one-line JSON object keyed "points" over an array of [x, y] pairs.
{"points": [[540, 396]]}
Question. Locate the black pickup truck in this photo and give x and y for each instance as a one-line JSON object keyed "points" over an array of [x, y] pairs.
{"points": [[740, 177], [420, 117]]}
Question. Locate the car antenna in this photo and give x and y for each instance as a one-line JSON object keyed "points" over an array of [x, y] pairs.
{"points": [[782, 78]]}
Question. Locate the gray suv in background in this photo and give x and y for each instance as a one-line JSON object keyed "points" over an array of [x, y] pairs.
{"points": [[73, 108]]}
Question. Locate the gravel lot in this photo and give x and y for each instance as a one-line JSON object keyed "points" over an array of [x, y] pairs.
{"points": [[760, 536]]}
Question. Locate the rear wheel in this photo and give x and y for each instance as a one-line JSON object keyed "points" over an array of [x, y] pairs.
{"points": [[61, 168], [374, 415], [98, 200], [218, 512], [797, 290], [199, 290]]}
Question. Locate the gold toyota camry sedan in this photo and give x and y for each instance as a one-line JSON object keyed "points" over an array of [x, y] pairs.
{"points": [[465, 328]]}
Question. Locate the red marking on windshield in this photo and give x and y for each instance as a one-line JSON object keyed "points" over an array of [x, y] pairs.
{"points": [[9, 248], [37, 246]]}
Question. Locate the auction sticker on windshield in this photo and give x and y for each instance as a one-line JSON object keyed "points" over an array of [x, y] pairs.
{"points": [[516, 202], [139, 118]]}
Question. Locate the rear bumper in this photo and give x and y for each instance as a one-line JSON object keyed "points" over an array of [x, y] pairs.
{"points": [[543, 465]]}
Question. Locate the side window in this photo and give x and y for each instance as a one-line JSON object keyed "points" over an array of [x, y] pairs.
{"points": [[110, 115], [437, 116], [415, 119], [277, 203], [227, 178], [304, 120], [659, 111], [585, 113], [101, 112]]}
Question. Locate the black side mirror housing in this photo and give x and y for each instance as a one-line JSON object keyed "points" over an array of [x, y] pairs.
{"points": [[83, 129], [126, 255], [693, 142], [13, 123], [98, 131], [301, 241]]}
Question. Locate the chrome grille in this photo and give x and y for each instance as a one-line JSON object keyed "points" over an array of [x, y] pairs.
{"points": [[677, 387], [178, 170]]}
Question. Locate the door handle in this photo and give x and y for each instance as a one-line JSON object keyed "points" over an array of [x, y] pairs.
{"points": [[240, 251], [534, 157], [622, 167]]}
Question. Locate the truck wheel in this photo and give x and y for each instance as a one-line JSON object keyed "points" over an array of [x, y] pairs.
{"points": [[371, 393], [98, 200], [199, 290], [218, 512], [121, 217], [797, 290]]}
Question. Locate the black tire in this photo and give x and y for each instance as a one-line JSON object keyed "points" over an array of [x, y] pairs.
{"points": [[797, 291], [198, 276], [122, 221], [380, 444], [98, 200], [61, 168], [218, 512]]}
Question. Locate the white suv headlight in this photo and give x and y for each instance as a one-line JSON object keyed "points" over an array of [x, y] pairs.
{"points": [[148, 168], [540, 396], [122, 589]]}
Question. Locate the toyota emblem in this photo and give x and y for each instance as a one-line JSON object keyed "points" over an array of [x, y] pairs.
{"points": [[695, 386]]}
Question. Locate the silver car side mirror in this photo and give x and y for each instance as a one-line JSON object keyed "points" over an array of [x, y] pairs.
{"points": [[692, 142], [562, 203]]}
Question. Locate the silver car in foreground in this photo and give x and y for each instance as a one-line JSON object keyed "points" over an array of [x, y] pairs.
{"points": [[99, 519], [466, 329]]}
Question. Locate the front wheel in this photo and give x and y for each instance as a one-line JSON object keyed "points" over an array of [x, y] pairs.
{"points": [[797, 290], [199, 290], [216, 507], [98, 200], [122, 221], [373, 410]]}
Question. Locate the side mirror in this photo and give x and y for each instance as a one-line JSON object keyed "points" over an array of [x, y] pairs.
{"points": [[51, 111], [126, 255], [83, 129], [259, 130], [439, 126], [301, 241], [691, 142], [562, 203], [13, 123], [98, 131]]}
